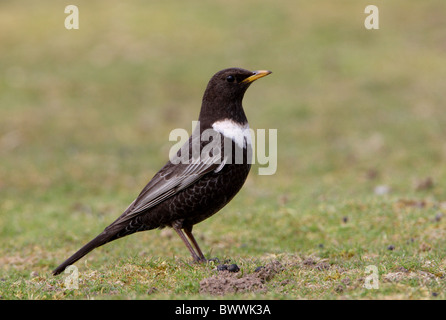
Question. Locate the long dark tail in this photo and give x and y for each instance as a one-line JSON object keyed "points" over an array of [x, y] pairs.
{"points": [[121, 227], [101, 239]]}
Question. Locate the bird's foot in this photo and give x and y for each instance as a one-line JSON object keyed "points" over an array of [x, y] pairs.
{"points": [[201, 260], [212, 260]]}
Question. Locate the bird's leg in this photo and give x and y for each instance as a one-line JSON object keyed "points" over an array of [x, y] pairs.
{"points": [[183, 237], [188, 231]]}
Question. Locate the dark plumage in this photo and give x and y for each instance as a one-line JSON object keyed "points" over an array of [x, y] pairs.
{"points": [[183, 194]]}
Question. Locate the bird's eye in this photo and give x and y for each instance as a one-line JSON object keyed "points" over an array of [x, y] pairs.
{"points": [[230, 79]]}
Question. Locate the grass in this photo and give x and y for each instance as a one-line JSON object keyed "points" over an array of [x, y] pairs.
{"points": [[85, 117]]}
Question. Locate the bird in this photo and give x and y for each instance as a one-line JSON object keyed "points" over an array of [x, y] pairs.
{"points": [[192, 186]]}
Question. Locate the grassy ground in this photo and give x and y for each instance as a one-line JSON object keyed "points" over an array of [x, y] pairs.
{"points": [[85, 117]]}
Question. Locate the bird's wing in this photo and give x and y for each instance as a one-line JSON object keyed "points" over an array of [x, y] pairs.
{"points": [[171, 179]]}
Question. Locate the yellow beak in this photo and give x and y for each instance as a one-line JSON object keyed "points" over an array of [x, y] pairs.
{"points": [[256, 75]]}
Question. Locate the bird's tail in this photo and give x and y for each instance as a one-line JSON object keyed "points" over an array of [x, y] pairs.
{"points": [[101, 239]]}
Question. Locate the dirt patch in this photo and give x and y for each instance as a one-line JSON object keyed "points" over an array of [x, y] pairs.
{"points": [[422, 276], [318, 264], [226, 282]]}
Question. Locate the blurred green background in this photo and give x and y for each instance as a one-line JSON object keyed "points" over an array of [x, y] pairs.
{"points": [[85, 117]]}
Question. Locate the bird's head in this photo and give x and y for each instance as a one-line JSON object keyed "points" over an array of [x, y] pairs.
{"points": [[226, 89], [232, 83]]}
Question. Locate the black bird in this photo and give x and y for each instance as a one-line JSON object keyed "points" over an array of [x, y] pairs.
{"points": [[193, 186]]}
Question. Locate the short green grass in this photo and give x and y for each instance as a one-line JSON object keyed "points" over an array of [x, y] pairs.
{"points": [[85, 117]]}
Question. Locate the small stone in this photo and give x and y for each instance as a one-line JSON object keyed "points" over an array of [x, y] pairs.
{"points": [[371, 174], [424, 184], [381, 190], [152, 290], [258, 269], [222, 267], [339, 288], [233, 268], [309, 262], [322, 266]]}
